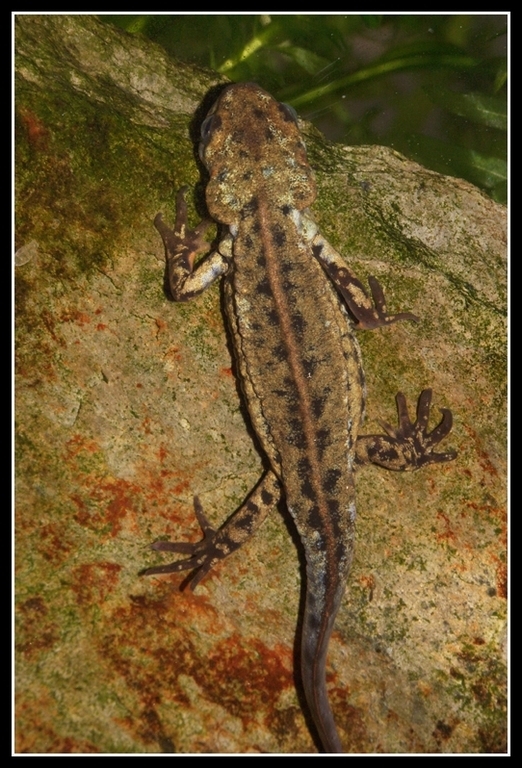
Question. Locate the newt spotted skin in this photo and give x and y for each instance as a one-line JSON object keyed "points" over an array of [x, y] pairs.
{"points": [[292, 307]]}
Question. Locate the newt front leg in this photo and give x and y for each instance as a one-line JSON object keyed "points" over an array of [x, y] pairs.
{"points": [[182, 245]]}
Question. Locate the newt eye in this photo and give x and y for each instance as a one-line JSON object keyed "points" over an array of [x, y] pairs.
{"points": [[289, 112], [209, 125], [206, 128]]}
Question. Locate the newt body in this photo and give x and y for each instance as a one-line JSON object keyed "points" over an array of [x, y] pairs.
{"points": [[292, 307]]}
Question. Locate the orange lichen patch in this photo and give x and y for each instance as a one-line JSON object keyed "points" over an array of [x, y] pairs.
{"points": [[76, 317], [105, 504], [102, 501], [352, 720], [79, 444], [497, 513], [82, 319], [50, 324], [461, 530], [447, 534], [424, 688], [94, 582], [181, 487], [37, 132], [368, 583], [54, 543], [502, 579], [161, 646], [161, 491], [173, 607], [483, 457], [35, 731], [36, 632], [157, 482], [242, 672], [172, 354]]}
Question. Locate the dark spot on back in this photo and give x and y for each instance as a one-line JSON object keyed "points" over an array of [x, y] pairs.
{"points": [[307, 490], [298, 324], [323, 438], [314, 518], [303, 467], [279, 236], [296, 436], [250, 208], [272, 317], [279, 352], [318, 404], [333, 510], [331, 479], [309, 365], [263, 287]]}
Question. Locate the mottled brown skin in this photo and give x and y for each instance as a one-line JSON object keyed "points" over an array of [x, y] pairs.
{"points": [[292, 305]]}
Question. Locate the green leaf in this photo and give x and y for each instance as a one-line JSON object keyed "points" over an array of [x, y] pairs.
{"points": [[489, 171], [372, 21], [478, 107], [386, 66], [306, 59], [485, 171], [501, 75]]}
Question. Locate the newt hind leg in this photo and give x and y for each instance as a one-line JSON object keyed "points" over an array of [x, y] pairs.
{"points": [[217, 544], [408, 446]]}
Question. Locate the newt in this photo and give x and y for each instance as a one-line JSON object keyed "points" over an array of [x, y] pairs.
{"points": [[292, 306]]}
